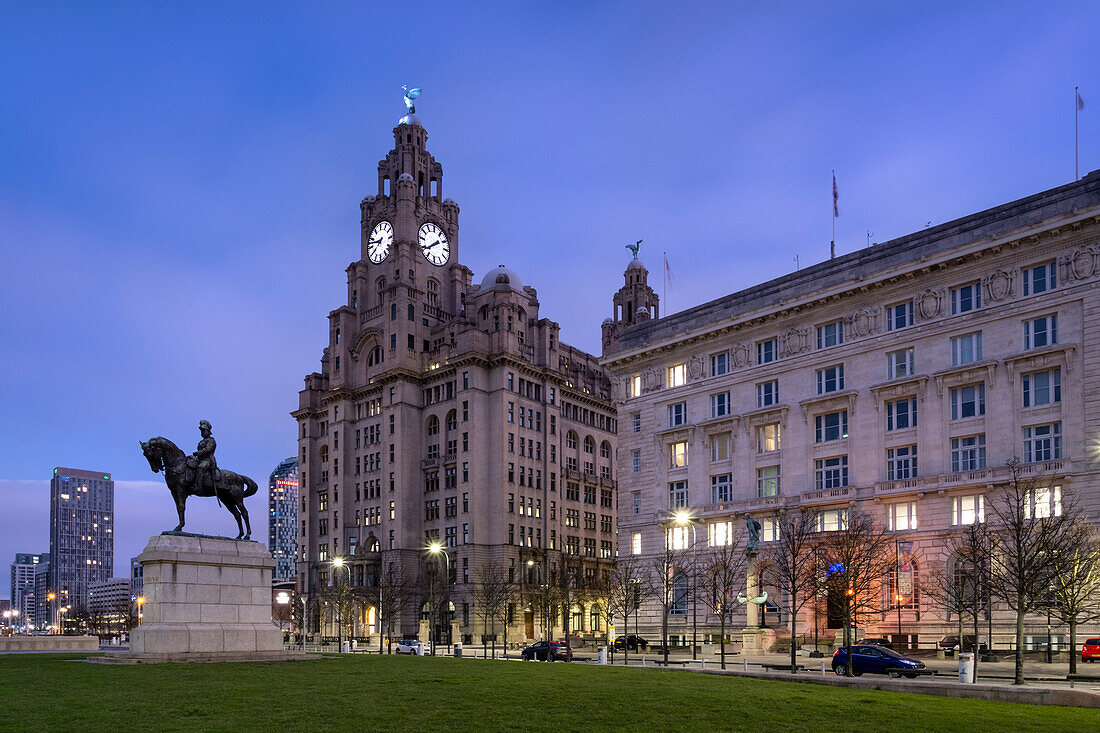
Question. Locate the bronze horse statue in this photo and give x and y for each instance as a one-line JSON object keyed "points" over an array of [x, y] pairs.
{"points": [[231, 489]]}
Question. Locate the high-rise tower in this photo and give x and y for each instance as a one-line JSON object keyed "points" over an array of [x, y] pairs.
{"points": [[82, 541]]}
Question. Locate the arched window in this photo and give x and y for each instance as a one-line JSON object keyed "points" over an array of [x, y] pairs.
{"points": [[679, 605], [373, 545], [433, 293], [452, 421], [571, 440], [605, 449], [904, 584], [324, 454], [433, 426], [376, 356], [589, 444]]}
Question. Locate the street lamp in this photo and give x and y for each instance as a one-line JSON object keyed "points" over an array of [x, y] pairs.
{"points": [[682, 518], [436, 549], [543, 600], [140, 602], [61, 619], [51, 597], [337, 563], [302, 621]]}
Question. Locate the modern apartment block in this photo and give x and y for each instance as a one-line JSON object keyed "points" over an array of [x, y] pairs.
{"points": [[449, 412], [22, 589], [282, 521], [900, 380], [109, 601], [82, 513]]}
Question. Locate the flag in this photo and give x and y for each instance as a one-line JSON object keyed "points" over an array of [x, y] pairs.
{"points": [[668, 270], [836, 210], [1080, 102]]}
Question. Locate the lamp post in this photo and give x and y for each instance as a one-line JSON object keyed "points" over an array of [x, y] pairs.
{"points": [[337, 563], [543, 612], [51, 597], [140, 602], [897, 600], [436, 549], [681, 519], [61, 619], [302, 623]]}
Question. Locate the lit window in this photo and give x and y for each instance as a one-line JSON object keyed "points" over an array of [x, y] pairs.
{"points": [[767, 481], [677, 375], [1043, 502], [678, 454], [767, 438], [720, 447], [967, 509], [720, 534], [636, 543], [901, 516], [832, 520]]}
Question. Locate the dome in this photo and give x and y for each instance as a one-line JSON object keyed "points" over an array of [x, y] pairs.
{"points": [[501, 276], [410, 120], [405, 177], [607, 321], [448, 202], [368, 199], [635, 264]]}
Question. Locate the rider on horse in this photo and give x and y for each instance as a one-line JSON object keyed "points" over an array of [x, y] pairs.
{"points": [[203, 458]]}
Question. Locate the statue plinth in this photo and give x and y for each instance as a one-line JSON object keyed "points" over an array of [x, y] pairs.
{"points": [[206, 598]]}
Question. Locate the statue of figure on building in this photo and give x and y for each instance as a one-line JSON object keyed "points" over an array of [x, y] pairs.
{"points": [[754, 528], [410, 98], [634, 248], [202, 460]]}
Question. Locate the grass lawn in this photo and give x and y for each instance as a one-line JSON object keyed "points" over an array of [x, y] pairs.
{"points": [[52, 692]]}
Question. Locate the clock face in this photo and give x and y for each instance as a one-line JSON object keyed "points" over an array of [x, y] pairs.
{"points": [[434, 244], [381, 237]]}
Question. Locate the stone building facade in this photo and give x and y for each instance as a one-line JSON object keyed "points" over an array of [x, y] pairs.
{"points": [[448, 412], [900, 380]]}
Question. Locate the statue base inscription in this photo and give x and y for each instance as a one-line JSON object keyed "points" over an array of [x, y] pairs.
{"points": [[755, 640], [206, 598]]}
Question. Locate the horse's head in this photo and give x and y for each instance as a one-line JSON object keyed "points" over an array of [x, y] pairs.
{"points": [[153, 455]]}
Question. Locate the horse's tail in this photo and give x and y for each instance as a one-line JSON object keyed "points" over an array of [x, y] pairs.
{"points": [[252, 488]]}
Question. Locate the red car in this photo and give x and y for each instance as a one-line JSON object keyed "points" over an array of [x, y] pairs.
{"points": [[1090, 650]]}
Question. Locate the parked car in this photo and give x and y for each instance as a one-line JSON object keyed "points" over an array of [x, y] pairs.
{"points": [[1090, 650], [540, 650], [951, 643], [868, 658], [413, 646], [630, 642], [877, 641]]}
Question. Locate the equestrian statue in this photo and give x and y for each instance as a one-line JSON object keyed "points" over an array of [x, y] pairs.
{"points": [[199, 475]]}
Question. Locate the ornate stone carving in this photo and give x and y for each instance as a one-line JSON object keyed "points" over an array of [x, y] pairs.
{"points": [[864, 322], [929, 304], [795, 341], [695, 367], [650, 381], [1000, 285], [1080, 264], [741, 355]]}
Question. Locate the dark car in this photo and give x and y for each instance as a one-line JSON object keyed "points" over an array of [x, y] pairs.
{"points": [[868, 658], [631, 642], [877, 642], [950, 643], [540, 650], [1090, 650]]}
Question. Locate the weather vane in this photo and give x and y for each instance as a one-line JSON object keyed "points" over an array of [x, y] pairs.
{"points": [[634, 248], [410, 98]]}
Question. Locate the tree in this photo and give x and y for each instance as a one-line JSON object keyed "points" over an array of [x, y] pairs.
{"points": [[491, 595], [856, 558], [790, 564], [961, 585], [435, 591], [341, 597], [567, 586], [1075, 585], [723, 571], [1030, 528], [391, 593], [628, 585], [669, 579]]}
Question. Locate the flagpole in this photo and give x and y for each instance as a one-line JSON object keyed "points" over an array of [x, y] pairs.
{"points": [[1076, 110], [832, 242], [664, 281]]}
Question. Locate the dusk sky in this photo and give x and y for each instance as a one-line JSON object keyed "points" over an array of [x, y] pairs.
{"points": [[180, 185]]}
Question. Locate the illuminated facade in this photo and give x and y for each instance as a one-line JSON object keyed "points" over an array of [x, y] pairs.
{"points": [[899, 380], [282, 521], [22, 588], [82, 513], [448, 411]]}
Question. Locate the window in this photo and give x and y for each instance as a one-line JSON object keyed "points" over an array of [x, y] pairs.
{"points": [[677, 494], [901, 414], [571, 440], [831, 426], [899, 364], [766, 351], [830, 379], [719, 447], [678, 454], [901, 516], [678, 537], [719, 364], [767, 393], [767, 481], [636, 461], [636, 543], [677, 375], [1042, 388], [1043, 442], [968, 453], [635, 421], [831, 473], [899, 316], [967, 401], [636, 502], [966, 298], [966, 348], [1040, 332], [679, 595], [767, 438], [832, 520], [720, 534], [1040, 278], [831, 334], [721, 488], [635, 386], [901, 462], [967, 509], [1043, 502], [769, 529], [677, 414], [720, 404]]}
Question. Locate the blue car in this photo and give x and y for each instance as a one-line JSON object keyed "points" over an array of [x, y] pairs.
{"points": [[875, 660]]}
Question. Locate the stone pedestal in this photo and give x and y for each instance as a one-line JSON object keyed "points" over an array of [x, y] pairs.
{"points": [[206, 598], [756, 640]]}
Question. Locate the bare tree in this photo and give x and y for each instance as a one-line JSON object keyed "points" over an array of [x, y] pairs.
{"points": [[391, 594], [790, 564], [961, 585], [666, 570], [341, 597], [1030, 529], [723, 571], [566, 588], [1075, 586], [435, 589], [856, 558], [491, 595], [628, 585]]}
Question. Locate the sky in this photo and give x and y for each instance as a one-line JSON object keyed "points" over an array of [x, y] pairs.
{"points": [[179, 183]]}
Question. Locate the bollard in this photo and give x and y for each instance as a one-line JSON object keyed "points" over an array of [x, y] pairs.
{"points": [[966, 667], [745, 664], [823, 669], [703, 664], [601, 655], [458, 650]]}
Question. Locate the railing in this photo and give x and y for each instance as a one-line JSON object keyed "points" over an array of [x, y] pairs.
{"points": [[370, 313]]}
